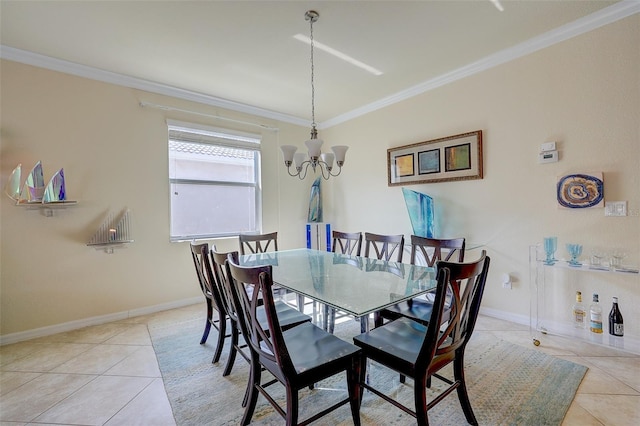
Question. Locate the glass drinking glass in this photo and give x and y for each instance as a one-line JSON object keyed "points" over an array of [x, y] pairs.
{"points": [[575, 250], [550, 247], [616, 258], [597, 257]]}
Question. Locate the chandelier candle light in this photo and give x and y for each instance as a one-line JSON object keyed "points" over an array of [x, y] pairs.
{"points": [[317, 159]]}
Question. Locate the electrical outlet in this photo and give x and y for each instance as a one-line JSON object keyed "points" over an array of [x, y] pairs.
{"points": [[634, 212], [506, 281]]}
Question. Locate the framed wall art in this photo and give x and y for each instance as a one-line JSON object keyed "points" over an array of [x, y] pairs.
{"points": [[456, 157]]}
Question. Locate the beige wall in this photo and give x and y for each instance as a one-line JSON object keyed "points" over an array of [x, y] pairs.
{"points": [[583, 93]]}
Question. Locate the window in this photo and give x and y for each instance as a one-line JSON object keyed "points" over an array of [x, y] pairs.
{"points": [[214, 179]]}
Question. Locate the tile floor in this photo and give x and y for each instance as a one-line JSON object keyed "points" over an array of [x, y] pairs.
{"points": [[108, 375]]}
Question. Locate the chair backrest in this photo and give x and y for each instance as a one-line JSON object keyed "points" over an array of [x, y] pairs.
{"points": [[451, 333], [433, 249], [252, 287], [384, 246], [206, 278], [220, 274], [347, 243], [258, 243]]}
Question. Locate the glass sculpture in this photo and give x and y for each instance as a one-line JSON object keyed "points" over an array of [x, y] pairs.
{"points": [[55, 190], [421, 212], [33, 188], [12, 188], [315, 202]]}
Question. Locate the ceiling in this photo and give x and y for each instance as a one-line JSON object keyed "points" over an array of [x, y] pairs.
{"points": [[245, 52]]}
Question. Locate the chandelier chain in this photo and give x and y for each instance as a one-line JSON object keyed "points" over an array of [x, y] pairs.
{"points": [[313, 91]]}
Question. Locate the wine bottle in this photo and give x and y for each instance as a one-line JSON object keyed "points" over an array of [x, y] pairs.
{"points": [[595, 316], [579, 315], [616, 326]]}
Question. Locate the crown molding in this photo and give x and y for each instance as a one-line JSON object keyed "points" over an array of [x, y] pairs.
{"points": [[67, 67], [583, 25], [588, 23]]}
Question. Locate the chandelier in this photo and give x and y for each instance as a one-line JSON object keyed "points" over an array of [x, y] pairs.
{"points": [[316, 159]]}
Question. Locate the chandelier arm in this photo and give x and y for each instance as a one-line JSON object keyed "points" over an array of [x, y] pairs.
{"points": [[304, 168], [336, 174]]}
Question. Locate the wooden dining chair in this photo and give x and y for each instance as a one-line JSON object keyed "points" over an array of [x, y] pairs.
{"points": [[381, 247], [420, 352], [297, 358], [258, 243], [213, 298], [430, 250], [349, 243], [288, 316], [263, 243]]}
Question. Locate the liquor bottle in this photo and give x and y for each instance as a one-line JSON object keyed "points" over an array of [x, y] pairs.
{"points": [[616, 326], [595, 316], [579, 315]]}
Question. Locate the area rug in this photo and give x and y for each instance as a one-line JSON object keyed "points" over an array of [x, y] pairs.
{"points": [[508, 385]]}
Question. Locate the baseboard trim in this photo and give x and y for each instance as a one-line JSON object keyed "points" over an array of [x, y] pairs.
{"points": [[507, 316], [101, 319]]}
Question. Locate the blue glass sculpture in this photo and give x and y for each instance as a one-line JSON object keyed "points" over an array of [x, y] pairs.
{"points": [[315, 202], [55, 190], [421, 212]]}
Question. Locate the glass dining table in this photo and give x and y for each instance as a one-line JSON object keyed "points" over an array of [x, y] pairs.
{"points": [[356, 285]]}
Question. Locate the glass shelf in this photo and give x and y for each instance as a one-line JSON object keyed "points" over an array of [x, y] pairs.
{"points": [[48, 209], [552, 288]]}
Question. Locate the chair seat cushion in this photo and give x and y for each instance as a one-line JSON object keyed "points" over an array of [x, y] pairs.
{"points": [[400, 339], [311, 347]]}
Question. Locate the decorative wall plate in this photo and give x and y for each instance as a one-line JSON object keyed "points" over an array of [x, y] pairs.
{"points": [[579, 191]]}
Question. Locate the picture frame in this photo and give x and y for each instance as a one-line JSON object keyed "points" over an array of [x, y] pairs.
{"points": [[451, 158]]}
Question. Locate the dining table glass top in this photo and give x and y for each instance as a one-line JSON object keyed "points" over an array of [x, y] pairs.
{"points": [[353, 284]]}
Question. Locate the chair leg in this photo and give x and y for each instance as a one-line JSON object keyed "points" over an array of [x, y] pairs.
{"points": [[207, 326], [292, 406], [463, 396], [233, 350], [420, 397], [222, 333], [355, 390], [301, 303], [363, 375], [254, 379], [378, 321]]}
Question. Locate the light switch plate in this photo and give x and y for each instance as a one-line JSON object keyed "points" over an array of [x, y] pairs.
{"points": [[615, 208]]}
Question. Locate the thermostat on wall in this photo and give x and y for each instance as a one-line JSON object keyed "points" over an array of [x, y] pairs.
{"points": [[548, 157]]}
